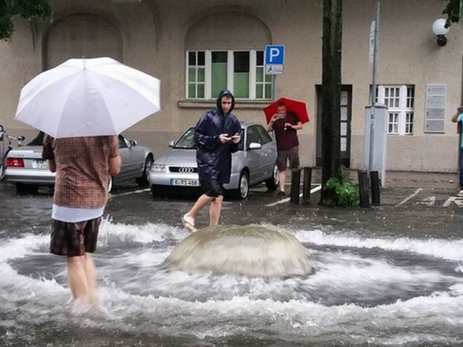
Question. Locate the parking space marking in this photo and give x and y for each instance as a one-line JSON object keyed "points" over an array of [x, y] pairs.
{"points": [[408, 198], [449, 201], [282, 201], [458, 202], [130, 193], [455, 199], [430, 201]]}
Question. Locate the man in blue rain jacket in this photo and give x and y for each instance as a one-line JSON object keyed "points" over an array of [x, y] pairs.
{"points": [[217, 135]]}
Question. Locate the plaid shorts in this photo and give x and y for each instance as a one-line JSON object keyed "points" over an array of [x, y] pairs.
{"points": [[74, 239]]}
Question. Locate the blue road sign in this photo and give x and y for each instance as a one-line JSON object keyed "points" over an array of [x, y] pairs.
{"points": [[274, 55]]}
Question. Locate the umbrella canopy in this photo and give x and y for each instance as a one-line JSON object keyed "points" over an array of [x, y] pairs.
{"points": [[298, 107], [88, 97]]}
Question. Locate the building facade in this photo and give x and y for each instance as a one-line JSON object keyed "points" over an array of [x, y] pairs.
{"points": [[198, 47]]}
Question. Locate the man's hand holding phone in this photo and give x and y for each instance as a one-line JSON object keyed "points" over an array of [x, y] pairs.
{"points": [[224, 138], [277, 116], [236, 138]]}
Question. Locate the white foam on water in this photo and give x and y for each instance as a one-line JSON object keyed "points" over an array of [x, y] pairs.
{"points": [[439, 248], [341, 271], [304, 319], [228, 305], [21, 247], [143, 234]]}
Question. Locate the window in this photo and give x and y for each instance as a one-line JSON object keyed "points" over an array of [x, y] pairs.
{"points": [[252, 136], [400, 103], [122, 142], [196, 75], [263, 134], [242, 72]]}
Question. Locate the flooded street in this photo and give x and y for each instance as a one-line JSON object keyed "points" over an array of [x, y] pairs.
{"points": [[390, 276]]}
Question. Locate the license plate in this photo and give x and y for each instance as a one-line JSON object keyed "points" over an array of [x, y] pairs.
{"points": [[39, 164], [182, 182]]}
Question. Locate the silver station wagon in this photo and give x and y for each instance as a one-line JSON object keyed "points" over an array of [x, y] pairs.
{"points": [[26, 169], [255, 162]]}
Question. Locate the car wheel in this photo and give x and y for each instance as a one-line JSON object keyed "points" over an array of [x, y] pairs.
{"points": [[143, 180], [22, 188], [110, 184], [2, 172], [272, 182], [242, 191]]}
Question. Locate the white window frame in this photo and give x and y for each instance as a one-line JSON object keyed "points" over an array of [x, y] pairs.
{"points": [[403, 110], [230, 72]]}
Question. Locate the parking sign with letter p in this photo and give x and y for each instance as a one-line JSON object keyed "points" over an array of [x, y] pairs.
{"points": [[274, 59], [274, 55]]}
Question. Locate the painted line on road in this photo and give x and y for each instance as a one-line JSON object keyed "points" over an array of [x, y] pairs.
{"points": [[408, 198], [282, 201], [130, 193], [448, 201]]}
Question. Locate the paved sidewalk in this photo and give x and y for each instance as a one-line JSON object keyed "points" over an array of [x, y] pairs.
{"points": [[408, 179], [416, 188]]}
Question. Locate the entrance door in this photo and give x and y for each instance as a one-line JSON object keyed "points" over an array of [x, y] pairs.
{"points": [[346, 114]]}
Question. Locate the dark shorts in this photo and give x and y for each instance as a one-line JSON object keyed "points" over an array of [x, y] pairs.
{"points": [[211, 188], [74, 239], [291, 154]]}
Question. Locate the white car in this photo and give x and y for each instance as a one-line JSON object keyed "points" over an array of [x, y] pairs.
{"points": [[26, 169], [255, 162]]}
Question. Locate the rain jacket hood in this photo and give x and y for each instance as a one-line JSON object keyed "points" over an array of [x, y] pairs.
{"points": [[223, 93]]}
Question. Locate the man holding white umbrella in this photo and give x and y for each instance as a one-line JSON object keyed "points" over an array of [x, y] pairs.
{"points": [[82, 105], [82, 166]]}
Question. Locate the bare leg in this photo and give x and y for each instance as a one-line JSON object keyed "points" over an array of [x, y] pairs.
{"points": [[190, 216], [90, 273], [282, 175], [214, 211], [77, 277]]}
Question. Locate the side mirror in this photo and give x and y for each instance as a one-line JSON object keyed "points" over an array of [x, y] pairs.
{"points": [[2, 131], [254, 145], [171, 144], [133, 143]]}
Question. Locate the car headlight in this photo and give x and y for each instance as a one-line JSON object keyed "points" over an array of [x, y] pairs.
{"points": [[158, 167]]}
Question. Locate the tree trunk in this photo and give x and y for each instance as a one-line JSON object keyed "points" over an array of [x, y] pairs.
{"points": [[331, 97]]}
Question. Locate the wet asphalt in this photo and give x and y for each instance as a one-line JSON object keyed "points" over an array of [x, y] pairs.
{"points": [[419, 212], [415, 211]]}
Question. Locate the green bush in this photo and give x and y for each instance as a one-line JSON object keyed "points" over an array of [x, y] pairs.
{"points": [[347, 193]]}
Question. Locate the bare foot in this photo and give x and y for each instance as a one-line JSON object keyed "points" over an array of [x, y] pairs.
{"points": [[189, 223]]}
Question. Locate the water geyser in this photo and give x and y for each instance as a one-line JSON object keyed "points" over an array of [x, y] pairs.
{"points": [[248, 250]]}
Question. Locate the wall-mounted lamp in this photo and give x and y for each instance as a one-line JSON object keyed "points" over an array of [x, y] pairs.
{"points": [[439, 29]]}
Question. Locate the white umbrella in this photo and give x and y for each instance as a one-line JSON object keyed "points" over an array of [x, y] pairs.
{"points": [[88, 97]]}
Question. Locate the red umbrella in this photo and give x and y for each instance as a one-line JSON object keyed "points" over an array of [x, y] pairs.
{"points": [[298, 107]]}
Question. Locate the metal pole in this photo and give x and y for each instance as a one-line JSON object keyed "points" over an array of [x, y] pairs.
{"points": [[274, 77], [295, 186], [375, 191], [306, 185], [374, 83], [364, 191]]}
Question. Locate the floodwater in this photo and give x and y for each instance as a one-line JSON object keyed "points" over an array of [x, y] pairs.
{"points": [[369, 288]]}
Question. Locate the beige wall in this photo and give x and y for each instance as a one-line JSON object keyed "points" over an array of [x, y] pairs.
{"points": [[154, 36]]}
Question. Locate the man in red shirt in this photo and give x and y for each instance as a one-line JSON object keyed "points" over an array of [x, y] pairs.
{"points": [[82, 166], [285, 124]]}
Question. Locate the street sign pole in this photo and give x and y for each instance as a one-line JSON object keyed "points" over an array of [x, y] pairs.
{"points": [[274, 78]]}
